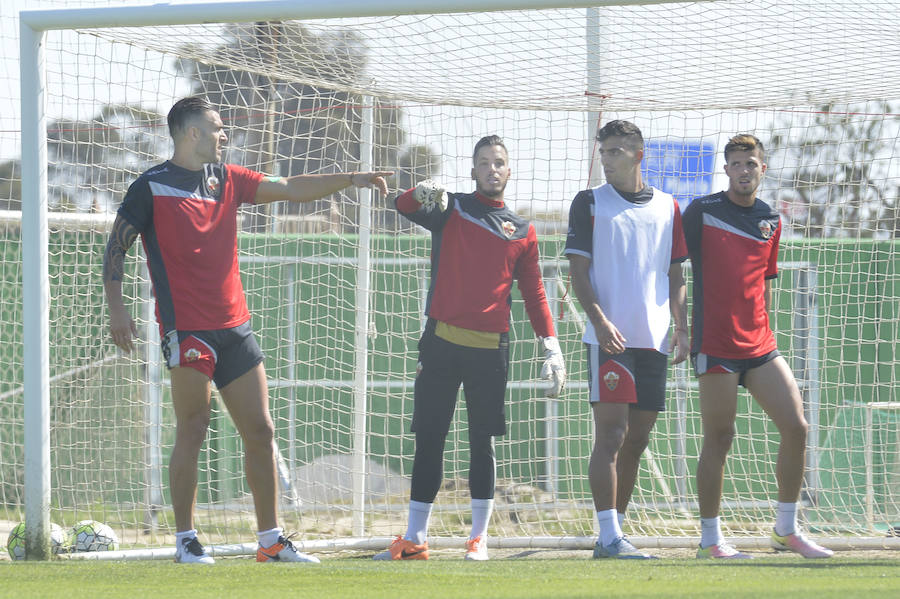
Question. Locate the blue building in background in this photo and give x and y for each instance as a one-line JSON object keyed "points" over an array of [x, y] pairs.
{"points": [[683, 168]]}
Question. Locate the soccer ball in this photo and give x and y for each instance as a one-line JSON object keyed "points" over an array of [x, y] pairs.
{"points": [[90, 535], [15, 544]]}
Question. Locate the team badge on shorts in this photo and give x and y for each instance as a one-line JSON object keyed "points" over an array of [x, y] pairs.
{"points": [[611, 379], [418, 368], [508, 228], [192, 355], [765, 229]]}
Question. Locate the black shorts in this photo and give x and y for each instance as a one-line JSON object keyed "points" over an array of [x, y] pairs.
{"points": [[223, 355], [636, 377], [442, 367], [704, 364]]}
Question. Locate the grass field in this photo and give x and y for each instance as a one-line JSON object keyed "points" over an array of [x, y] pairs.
{"points": [[846, 576]]}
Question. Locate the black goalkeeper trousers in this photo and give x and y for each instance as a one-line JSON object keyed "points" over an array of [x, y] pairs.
{"points": [[428, 466]]}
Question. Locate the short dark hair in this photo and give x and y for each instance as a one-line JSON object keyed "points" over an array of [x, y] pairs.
{"points": [[624, 129], [744, 142], [488, 140], [185, 110]]}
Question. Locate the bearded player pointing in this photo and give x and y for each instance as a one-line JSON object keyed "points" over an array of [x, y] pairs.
{"points": [[185, 211]]}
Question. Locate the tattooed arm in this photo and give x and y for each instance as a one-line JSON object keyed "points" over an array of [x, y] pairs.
{"points": [[122, 327]]}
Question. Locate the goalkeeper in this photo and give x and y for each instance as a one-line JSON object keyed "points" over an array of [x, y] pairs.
{"points": [[478, 247]]}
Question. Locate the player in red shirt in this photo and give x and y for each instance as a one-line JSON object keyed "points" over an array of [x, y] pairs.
{"points": [[732, 239], [479, 247], [185, 211]]}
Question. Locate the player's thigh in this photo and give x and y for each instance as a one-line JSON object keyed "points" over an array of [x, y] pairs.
{"points": [[247, 400], [718, 401], [190, 393], [437, 384], [484, 375], [610, 424], [774, 388]]}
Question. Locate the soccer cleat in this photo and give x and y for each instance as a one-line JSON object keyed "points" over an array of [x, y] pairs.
{"points": [[721, 551], [192, 552], [283, 551], [402, 549], [798, 543], [621, 548], [476, 549]]}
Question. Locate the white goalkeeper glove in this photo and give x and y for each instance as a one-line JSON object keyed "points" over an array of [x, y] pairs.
{"points": [[554, 368], [428, 193]]}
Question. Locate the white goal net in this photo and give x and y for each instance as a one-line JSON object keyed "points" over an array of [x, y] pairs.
{"points": [[815, 80]]}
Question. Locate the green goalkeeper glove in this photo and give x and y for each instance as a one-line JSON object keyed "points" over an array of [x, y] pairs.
{"points": [[554, 368]]}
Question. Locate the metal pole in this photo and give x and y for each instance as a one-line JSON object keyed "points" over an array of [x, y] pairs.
{"points": [[358, 470], [153, 409], [35, 293]]}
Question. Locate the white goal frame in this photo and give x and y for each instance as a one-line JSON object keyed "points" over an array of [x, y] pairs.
{"points": [[34, 25]]}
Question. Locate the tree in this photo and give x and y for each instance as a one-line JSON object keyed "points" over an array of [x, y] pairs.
{"points": [[833, 173], [11, 185], [92, 162], [284, 96]]}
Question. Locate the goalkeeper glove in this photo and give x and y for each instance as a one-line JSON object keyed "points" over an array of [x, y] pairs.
{"points": [[554, 368], [428, 193]]}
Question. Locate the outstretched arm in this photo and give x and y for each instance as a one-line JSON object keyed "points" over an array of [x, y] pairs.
{"points": [[122, 327], [307, 188]]}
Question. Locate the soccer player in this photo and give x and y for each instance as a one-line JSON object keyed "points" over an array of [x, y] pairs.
{"points": [[732, 238], [185, 211], [625, 247], [478, 247]]}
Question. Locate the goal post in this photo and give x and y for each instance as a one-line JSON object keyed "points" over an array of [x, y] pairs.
{"points": [[337, 287]]}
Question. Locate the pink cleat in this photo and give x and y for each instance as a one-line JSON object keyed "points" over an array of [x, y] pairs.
{"points": [[798, 543]]}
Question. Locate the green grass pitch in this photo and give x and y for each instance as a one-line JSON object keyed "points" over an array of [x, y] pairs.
{"points": [[845, 576]]}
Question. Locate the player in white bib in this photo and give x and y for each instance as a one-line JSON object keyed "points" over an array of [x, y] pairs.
{"points": [[625, 247]]}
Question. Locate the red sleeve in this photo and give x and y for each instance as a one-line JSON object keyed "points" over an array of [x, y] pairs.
{"points": [[679, 247], [405, 202], [772, 268], [245, 183], [531, 285]]}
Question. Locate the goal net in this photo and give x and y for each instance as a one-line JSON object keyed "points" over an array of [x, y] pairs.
{"points": [[337, 287]]}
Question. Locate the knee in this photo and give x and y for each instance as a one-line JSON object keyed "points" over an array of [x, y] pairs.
{"points": [[608, 441], [795, 431], [718, 440], [260, 435], [635, 443], [193, 427]]}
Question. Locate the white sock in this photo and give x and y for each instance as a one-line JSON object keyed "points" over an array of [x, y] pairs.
{"points": [[267, 538], [417, 529], [786, 519], [481, 515], [620, 516], [180, 536], [609, 526], [711, 532]]}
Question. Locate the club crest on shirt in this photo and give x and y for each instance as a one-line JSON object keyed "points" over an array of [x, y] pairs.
{"points": [[611, 379], [192, 355], [212, 184], [508, 228], [765, 229]]}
